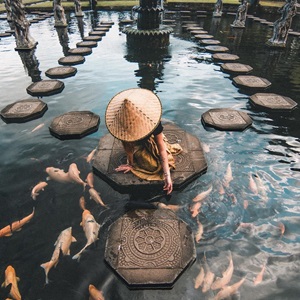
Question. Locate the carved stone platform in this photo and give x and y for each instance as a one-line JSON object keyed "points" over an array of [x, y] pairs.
{"points": [[94, 38], [203, 36], [236, 68], [225, 57], [97, 32], [210, 42], [251, 82], [126, 21], [80, 51], [200, 31], [61, 72], [91, 44], [272, 102], [226, 119], [216, 49], [23, 111], [71, 60], [107, 23], [191, 28], [45, 88], [74, 125], [103, 27], [150, 248], [5, 34], [190, 164]]}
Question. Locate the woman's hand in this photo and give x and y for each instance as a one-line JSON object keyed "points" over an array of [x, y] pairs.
{"points": [[124, 168], [168, 187]]}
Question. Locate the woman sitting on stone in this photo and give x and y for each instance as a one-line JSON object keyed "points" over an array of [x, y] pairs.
{"points": [[133, 116]]}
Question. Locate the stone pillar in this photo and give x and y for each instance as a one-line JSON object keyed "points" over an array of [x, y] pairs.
{"points": [[8, 10], [78, 11], [24, 41], [241, 14], [59, 14], [283, 24], [218, 9]]}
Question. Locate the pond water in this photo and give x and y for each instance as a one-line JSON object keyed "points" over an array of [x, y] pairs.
{"points": [[188, 83]]}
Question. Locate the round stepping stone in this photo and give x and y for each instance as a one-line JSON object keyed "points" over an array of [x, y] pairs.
{"points": [[61, 72], [200, 31], [226, 119], [94, 38], [108, 23], [23, 111], [11, 31], [236, 68], [71, 60], [216, 48], [4, 34], [203, 36], [295, 33], [210, 42], [102, 27], [80, 51], [225, 57], [273, 102], [45, 88], [97, 32], [74, 125], [126, 21], [90, 44], [149, 248], [190, 28], [249, 81]]}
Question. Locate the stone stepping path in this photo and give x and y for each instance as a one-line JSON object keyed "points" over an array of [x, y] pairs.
{"points": [[216, 49], [225, 57], [93, 38], [81, 51], [90, 44], [45, 88], [61, 72], [97, 32], [226, 119], [23, 110], [209, 42], [74, 125], [236, 68], [203, 36], [251, 82], [71, 60]]}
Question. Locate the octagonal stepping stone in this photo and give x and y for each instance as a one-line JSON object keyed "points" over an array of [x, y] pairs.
{"points": [[94, 38], [97, 32], [23, 111], [190, 164], [149, 248], [11, 31], [210, 42], [294, 33], [226, 119], [213, 48], [45, 88], [225, 57], [4, 34], [272, 102], [102, 27], [71, 60], [203, 36], [126, 21], [107, 23], [236, 68], [90, 44], [80, 51], [200, 31], [190, 28], [74, 125], [61, 72], [249, 81]]}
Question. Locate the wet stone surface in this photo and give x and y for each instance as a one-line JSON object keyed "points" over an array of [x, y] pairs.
{"points": [[236, 68], [149, 248], [5, 34], [248, 81], [95, 38], [90, 44], [97, 32], [226, 119], [203, 36], [45, 88], [61, 72], [71, 60], [270, 101], [190, 164], [23, 111], [216, 49], [225, 57], [210, 42], [74, 125], [80, 51]]}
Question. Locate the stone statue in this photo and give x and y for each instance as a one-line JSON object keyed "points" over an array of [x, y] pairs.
{"points": [[59, 14], [240, 17], [23, 39], [283, 24], [78, 11], [8, 10], [218, 9]]}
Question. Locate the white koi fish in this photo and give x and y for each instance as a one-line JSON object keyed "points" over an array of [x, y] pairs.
{"points": [[58, 175], [220, 282], [74, 175], [90, 179], [258, 279], [262, 190], [11, 278], [199, 278], [199, 232], [39, 187], [96, 197], [203, 195], [195, 209], [90, 227], [62, 244], [38, 127], [90, 157], [208, 278], [229, 290], [228, 175]]}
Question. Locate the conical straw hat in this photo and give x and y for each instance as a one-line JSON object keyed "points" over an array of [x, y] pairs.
{"points": [[133, 114]]}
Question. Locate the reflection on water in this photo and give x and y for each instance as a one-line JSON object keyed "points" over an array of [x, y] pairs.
{"points": [[188, 82]]}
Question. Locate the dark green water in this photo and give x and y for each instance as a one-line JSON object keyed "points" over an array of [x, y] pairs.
{"points": [[188, 83]]}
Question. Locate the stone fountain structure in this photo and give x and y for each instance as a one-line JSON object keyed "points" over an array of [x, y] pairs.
{"points": [[148, 32]]}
